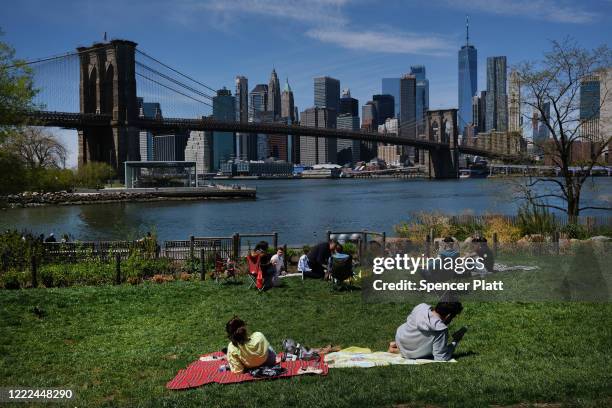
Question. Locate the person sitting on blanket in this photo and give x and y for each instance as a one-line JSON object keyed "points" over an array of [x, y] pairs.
{"points": [[246, 352], [480, 249], [425, 332], [434, 270]]}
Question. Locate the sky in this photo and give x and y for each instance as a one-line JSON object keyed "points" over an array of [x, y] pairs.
{"points": [[358, 42]]}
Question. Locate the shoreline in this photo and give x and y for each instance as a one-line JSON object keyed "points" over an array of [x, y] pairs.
{"points": [[109, 196]]}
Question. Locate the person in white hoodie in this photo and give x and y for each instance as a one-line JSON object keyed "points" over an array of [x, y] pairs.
{"points": [[425, 332]]}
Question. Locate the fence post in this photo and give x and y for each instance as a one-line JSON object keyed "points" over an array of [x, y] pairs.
{"points": [[495, 243], [328, 235], [384, 243], [236, 246], [33, 270], [202, 265], [191, 247], [556, 235], [285, 257], [118, 268], [275, 240], [427, 244]]}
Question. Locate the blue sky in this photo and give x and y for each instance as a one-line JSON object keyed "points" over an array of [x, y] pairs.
{"points": [[356, 41]]}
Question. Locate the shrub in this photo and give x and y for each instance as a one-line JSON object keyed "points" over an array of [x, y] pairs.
{"points": [[535, 219], [94, 175], [13, 280], [576, 231], [503, 227]]}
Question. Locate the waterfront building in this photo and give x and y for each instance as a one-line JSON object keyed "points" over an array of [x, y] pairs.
{"points": [[391, 86], [385, 107], [422, 96], [287, 103], [348, 151], [590, 98], [245, 143], [170, 147], [408, 105], [467, 79], [514, 102], [199, 150], [327, 93], [317, 150], [497, 98], [274, 96], [150, 110], [224, 109], [348, 105]]}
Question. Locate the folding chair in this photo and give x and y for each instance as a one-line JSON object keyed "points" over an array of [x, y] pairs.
{"points": [[254, 271], [224, 268]]}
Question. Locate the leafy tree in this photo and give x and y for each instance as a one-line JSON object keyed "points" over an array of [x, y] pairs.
{"points": [[94, 174], [551, 88], [16, 90]]}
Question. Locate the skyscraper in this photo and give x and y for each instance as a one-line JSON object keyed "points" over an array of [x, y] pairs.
{"points": [[348, 105], [514, 102], [246, 145], [258, 102], [274, 96], [422, 96], [391, 86], [408, 104], [287, 104], [468, 79], [385, 107], [224, 109], [147, 110], [327, 93], [318, 150], [369, 116], [590, 97], [497, 98]]}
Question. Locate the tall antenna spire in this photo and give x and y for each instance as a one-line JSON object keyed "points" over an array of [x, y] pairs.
{"points": [[467, 30]]}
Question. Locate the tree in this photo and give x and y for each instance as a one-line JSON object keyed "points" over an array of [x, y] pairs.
{"points": [[16, 90], [551, 89], [37, 148], [94, 174]]}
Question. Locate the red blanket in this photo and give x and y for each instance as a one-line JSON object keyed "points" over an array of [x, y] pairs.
{"points": [[204, 372]]}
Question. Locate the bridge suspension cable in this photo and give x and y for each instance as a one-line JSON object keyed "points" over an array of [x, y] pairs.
{"points": [[173, 90]]}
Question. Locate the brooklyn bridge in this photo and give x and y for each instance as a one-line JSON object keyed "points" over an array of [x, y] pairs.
{"points": [[112, 75]]}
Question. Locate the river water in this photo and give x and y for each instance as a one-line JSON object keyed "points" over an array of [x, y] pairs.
{"points": [[299, 210]]}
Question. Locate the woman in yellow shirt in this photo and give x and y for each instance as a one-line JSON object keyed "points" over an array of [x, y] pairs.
{"points": [[246, 352]]}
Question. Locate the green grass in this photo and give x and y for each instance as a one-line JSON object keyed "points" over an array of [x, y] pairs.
{"points": [[119, 345]]}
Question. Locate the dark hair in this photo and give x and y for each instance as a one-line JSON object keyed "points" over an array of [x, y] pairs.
{"points": [[449, 239], [236, 331], [448, 308], [261, 246]]}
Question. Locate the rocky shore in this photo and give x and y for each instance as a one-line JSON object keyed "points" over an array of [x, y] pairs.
{"points": [[36, 199]]}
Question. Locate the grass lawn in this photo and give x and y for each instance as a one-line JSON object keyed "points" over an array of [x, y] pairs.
{"points": [[119, 345]]}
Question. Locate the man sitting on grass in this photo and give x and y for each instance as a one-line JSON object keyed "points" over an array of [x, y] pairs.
{"points": [[425, 332]]}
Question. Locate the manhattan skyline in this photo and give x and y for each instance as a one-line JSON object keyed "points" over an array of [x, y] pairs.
{"points": [[215, 41]]}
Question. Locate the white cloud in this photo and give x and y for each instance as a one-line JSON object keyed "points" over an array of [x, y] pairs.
{"points": [[384, 41], [309, 11], [560, 11], [327, 21]]}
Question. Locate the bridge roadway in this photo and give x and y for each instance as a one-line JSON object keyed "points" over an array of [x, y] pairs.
{"points": [[81, 120]]}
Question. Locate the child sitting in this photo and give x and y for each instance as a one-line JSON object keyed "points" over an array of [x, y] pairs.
{"points": [[246, 352]]}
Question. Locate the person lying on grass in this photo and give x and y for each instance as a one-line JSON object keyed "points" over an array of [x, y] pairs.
{"points": [[246, 352], [425, 332]]}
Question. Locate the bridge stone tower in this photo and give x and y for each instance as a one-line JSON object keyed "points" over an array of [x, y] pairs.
{"points": [[441, 127], [108, 87]]}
